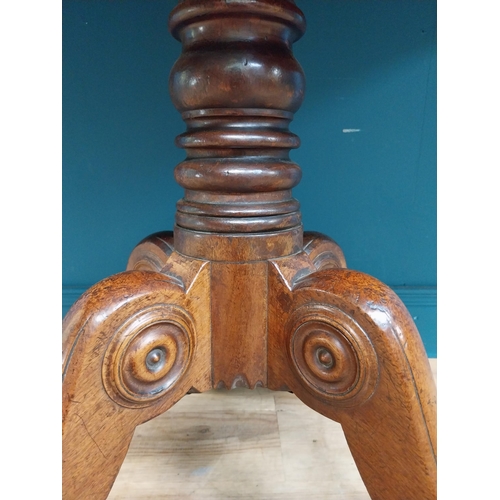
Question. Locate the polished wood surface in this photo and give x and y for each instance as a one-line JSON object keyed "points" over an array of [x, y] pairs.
{"points": [[238, 296]]}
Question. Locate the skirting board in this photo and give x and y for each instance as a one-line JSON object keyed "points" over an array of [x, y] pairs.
{"points": [[421, 302]]}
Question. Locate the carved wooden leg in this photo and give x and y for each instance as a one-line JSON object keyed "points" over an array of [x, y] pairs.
{"points": [[133, 345], [344, 343], [244, 278]]}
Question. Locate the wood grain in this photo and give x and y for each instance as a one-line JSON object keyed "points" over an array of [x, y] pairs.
{"points": [[239, 324], [346, 346], [107, 388], [237, 86], [152, 253], [240, 296]]}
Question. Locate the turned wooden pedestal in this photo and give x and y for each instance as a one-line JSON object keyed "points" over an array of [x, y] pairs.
{"points": [[238, 295]]}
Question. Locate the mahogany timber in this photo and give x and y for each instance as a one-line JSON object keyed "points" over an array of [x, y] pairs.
{"points": [[238, 295]]}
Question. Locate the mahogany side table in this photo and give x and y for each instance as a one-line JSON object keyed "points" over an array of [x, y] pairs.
{"points": [[238, 295]]}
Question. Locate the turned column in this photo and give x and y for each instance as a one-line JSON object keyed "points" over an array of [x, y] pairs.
{"points": [[238, 295], [237, 85]]}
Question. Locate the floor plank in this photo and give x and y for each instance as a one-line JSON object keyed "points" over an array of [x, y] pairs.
{"points": [[240, 444]]}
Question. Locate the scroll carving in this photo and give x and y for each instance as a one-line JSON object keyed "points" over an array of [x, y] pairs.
{"points": [[147, 355], [323, 252], [152, 253], [332, 355], [355, 356], [244, 298]]}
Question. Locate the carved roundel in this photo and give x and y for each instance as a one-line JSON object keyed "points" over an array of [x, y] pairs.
{"points": [[333, 355], [148, 355]]}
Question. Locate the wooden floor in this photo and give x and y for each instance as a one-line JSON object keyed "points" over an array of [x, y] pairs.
{"points": [[256, 444]]}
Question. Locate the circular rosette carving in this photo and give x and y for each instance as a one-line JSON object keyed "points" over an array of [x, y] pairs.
{"points": [[333, 355], [148, 354]]}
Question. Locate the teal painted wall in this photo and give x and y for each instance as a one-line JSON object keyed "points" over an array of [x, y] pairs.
{"points": [[370, 66]]}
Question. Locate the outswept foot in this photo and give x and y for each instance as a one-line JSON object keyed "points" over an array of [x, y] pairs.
{"points": [[342, 341], [345, 344], [133, 345]]}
